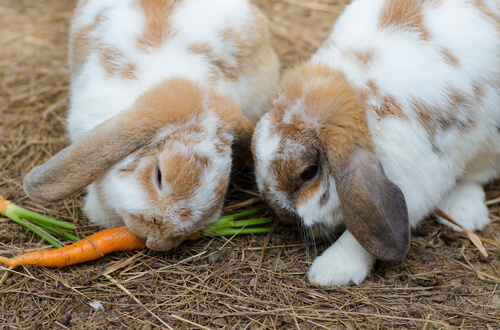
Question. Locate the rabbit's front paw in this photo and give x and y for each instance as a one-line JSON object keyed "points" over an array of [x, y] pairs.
{"points": [[466, 205], [343, 262]]}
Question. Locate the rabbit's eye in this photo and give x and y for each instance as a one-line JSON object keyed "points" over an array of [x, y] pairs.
{"points": [[309, 173], [158, 177]]}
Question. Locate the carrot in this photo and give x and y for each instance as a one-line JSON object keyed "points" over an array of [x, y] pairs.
{"points": [[122, 239], [93, 247]]}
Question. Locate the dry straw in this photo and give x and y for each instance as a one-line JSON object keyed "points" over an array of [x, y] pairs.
{"points": [[248, 282]]}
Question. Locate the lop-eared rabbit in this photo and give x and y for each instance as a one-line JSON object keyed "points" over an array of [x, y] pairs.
{"points": [[397, 113], [161, 91]]}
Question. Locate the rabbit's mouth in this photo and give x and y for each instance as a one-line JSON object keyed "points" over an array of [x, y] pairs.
{"points": [[159, 235], [162, 244]]}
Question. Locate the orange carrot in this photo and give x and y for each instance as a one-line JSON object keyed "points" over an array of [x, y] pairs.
{"points": [[122, 239], [93, 247]]}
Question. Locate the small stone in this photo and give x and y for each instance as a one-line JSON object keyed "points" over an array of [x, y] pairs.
{"points": [[66, 319]]}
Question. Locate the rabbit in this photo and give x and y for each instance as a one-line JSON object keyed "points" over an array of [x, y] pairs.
{"points": [[162, 95], [396, 114]]}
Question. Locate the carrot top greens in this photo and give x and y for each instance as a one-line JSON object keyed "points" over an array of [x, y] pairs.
{"points": [[48, 228]]}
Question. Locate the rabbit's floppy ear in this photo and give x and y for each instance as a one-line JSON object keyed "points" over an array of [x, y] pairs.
{"points": [[87, 160], [373, 208]]}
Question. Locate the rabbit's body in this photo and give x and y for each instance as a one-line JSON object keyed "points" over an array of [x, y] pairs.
{"points": [[160, 91], [414, 83]]}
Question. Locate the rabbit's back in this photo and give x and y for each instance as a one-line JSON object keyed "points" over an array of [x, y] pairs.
{"points": [[428, 73], [120, 49]]}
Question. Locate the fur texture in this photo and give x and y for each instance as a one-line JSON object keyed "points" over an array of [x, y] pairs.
{"points": [[160, 93], [416, 84]]}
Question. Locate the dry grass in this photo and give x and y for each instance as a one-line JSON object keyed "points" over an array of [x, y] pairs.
{"points": [[246, 282]]}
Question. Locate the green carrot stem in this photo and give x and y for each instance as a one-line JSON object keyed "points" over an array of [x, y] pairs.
{"points": [[48, 228], [233, 231], [29, 226], [67, 235], [230, 217], [251, 222], [240, 223], [53, 230], [26, 214]]}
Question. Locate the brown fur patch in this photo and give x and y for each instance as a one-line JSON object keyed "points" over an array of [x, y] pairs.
{"points": [[391, 107], [478, 93], [183, 174], [486, 11], [449, 58], [365, 57], [157, 28], [457, 113], [81, 41], [388, 106], [115, 63], [305, 194], [406, 15], [206, 50]]}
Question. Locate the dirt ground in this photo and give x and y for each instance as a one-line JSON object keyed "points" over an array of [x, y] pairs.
{"points": [[250, 282]]}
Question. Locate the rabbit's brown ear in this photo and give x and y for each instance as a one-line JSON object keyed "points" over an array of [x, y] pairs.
{"points": [[373, 208], [83, 162]]}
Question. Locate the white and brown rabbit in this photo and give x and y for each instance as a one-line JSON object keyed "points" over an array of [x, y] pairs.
{"points": [[160, 91], [398, 113]]}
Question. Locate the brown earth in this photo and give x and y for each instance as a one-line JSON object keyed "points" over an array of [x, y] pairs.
{"points": [[252, 282]]}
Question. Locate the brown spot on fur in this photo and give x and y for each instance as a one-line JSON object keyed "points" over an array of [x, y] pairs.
{"points": [[406, 15], [458, 113], [206, 50], [449, 58], [486, 11], [305, 194], [157, 28], [478, 93], [81, 42], [365, 57], [115, 63], [390, 107], [129, 71], [385, 104]]}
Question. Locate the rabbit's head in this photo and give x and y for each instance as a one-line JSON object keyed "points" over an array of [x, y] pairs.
{"points": [[315, 163], [163, 166]]}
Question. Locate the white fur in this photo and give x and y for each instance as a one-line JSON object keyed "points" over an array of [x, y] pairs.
{"points": [[344, 262], [444, 171], [313, 213]]}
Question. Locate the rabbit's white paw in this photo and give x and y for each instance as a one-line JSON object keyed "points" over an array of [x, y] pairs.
{"points": [[466, 205], [344, 262]]}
